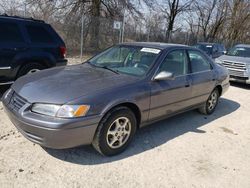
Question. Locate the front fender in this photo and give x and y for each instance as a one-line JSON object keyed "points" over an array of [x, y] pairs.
{"points": [[103, 101]]}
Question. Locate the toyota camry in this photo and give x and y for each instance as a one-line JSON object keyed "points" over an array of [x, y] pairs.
{"points": [[104, 100]]}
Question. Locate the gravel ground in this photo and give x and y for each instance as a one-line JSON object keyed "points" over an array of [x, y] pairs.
{"points": [[188, 150], [77, 60]]}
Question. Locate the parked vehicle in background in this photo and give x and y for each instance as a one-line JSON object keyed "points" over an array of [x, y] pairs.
{"points": [[237, 61], [105, 100], [214, 50], [27, 45]]}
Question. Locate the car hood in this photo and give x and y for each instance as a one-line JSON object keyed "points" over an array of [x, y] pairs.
{"points": [[235, 59], [64, 84]]}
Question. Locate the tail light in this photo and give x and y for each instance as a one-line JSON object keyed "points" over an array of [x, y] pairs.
{"points": [[62, 50]]}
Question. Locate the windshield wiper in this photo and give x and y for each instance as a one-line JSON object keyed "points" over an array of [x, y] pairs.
{"points": [[105, 67]]}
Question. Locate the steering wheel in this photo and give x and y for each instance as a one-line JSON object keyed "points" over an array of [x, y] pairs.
{"points": [[143, 66]]}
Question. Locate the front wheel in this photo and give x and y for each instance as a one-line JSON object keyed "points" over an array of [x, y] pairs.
{"points": [[115, 131], [211, 103]]}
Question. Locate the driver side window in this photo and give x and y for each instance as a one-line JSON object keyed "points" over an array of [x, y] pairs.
{"points": [[175, 62]]}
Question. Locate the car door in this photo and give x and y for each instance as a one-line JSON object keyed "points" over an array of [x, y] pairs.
{"points": [[202, 75], [11, 42], [169, 96]]}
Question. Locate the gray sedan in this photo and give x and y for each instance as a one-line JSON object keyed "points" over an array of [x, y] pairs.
{"points": [[106, 99]]}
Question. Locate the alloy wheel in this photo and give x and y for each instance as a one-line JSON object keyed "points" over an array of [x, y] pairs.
{"points": [[212, 101], [118, 132]]}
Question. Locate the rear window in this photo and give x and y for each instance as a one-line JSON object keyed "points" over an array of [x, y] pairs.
{"points": [[39, 34], [10, 32]]}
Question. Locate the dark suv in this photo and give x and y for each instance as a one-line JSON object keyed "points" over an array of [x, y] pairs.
{"points": [[214, 50], [27, 45]]}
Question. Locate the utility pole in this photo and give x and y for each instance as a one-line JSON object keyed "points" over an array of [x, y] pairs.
{"points": [[81, 38], [123, 25]]}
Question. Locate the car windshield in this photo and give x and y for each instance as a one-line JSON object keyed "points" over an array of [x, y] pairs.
{"points": [[205, 48], [239, 51], [130, 60]]}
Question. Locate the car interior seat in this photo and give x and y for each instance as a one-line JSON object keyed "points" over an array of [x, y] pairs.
{"points": [[172, 65]]}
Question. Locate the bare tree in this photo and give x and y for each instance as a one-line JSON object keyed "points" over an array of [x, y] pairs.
{"points": [[238, 21], [10, 7], [173, 8]]}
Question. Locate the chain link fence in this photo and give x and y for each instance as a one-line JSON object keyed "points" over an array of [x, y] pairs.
{"points": [[86, 35], [90, 35]]}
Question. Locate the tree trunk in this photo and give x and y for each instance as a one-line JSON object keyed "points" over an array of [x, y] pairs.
{"points": [[95, 24]]}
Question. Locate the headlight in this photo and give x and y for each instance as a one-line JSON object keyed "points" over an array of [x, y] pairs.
{"points": [[64, 111], [248, 67], [218, 61], [72, 111]]}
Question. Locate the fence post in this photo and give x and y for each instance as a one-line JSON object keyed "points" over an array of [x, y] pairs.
{"points": [[81, 38], [123, 25], [120, 35], [25, 9]]}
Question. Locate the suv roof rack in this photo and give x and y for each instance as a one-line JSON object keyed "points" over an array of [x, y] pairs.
{"points": [[18, 17]]}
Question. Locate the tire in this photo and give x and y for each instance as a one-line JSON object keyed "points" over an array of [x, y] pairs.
{"points": [[108, 136], [27, 68], [211, 103]]}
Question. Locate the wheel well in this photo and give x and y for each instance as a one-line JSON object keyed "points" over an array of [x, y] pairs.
{"points": [[134, 108], [219, 89], [43, 63]]}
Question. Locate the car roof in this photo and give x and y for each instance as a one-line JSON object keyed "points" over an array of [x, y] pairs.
{"points": [[243, 45], [206, 43], [158, 45]]}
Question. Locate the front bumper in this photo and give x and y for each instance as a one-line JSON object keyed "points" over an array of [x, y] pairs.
{"points": [[245, 80], [57, 133]]}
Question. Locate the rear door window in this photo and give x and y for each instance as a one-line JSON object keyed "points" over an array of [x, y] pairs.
{"points": [[199, 62], [10, 33], [38, 34]]}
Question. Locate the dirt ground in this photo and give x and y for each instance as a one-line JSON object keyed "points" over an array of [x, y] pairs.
{"points": [[188, 150]]}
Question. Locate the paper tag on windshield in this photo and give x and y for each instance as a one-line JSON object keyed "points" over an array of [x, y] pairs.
{"points": [[150, 50], [242, 49]]}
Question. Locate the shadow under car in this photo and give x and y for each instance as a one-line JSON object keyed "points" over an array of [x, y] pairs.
{"points": [[149, 137]]}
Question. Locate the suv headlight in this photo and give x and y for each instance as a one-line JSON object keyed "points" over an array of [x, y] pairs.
{"points": [[62, 111], [248, 67], [218, 61]]}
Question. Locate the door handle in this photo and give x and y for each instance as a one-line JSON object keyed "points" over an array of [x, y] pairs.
{"points": [[20, 49], [15, 49]]}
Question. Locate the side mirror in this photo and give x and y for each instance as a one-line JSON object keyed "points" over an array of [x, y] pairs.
{"points": [[164, 75]]}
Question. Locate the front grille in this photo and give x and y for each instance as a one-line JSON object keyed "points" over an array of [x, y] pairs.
{"points": [[235, 68], [234, 65], [16, 102]]}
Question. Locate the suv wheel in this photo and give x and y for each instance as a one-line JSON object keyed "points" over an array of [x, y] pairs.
{"points": [[115, 131], [30, 68], [211, 103]]}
